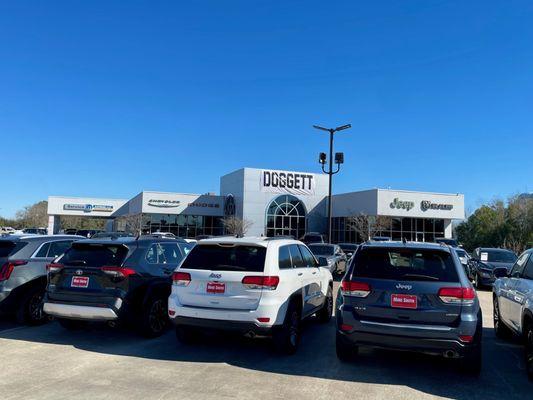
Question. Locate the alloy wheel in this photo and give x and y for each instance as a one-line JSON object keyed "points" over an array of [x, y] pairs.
{"points": [[157, 316], [35, 307]]}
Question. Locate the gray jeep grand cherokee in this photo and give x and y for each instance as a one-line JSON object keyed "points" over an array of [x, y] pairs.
{"points": [[409, 296]]}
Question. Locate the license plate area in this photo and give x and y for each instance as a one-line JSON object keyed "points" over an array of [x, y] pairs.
{"points": [[79, 282], [404, 301], [216, 288]]}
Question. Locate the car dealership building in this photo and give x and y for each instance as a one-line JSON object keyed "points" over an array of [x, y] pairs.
{"points": [[274, 203]]}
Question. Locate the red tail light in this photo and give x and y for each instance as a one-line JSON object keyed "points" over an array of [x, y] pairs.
{"points": [[181, 278], [53, 268], [466, 338], [8, 267], [118, 272], [457, 295], [346, 327], [356, 289], [261, 282]]}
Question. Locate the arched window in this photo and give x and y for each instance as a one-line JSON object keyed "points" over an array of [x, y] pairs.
{"points": [[285, 215]]}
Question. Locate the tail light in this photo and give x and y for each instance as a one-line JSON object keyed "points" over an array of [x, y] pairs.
{"points": [[181, 278], [8, 267], [118, 272], [54, 268], [466, 338], [355, 289], [457, 295], [261, 282]]}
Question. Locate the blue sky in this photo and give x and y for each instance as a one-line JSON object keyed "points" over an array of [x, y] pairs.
{"points": [[108, 98]]}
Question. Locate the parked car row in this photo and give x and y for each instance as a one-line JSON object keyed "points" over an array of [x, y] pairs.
{"points": [[399, 295]]}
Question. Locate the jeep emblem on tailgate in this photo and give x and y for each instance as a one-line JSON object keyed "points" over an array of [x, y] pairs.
{"points": [[79, 272], [216, 276], [406, 287]]}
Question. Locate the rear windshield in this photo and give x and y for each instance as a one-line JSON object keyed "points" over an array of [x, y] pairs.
{"points": [[93, 255], [348, 246], [8, 247], [498, 256], [327, 250], [225, 258], [405, 265], [313, 238]]}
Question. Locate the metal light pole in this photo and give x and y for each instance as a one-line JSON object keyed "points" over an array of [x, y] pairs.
{"points": [[339, 159]]}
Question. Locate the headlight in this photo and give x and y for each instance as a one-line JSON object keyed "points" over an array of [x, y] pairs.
{"points": [[485, 273]]}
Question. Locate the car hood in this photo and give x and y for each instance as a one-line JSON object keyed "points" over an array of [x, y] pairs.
{"points": [[493, 265]]}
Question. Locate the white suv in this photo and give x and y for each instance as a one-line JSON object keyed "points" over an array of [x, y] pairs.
{"points": [[254, 286]]}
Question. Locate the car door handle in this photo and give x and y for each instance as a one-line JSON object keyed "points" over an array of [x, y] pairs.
{"points": [[300, 273], [314, 272]]}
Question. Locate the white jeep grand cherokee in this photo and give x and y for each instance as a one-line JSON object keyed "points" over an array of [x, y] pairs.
{"points": [[255, 286]]}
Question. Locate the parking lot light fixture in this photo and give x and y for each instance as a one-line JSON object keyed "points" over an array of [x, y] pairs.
{"points": [[339, 159]]}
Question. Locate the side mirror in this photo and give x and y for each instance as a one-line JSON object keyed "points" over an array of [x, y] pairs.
{"points": [[349, 254], [500, 272], [322, 262]]}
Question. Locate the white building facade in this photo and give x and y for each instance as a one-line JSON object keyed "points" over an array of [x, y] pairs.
{"points": [[272, 202]]}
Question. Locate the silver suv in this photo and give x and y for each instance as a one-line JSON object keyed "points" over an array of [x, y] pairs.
{"points": [[409, 296], [513, 303], [23, 260]]}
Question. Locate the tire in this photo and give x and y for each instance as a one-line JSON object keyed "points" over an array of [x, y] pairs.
{"points": [[325, 313], [186, 334], [345, 350], [500, 329], [528, 352], [287, 337], [71, 324], [477, 285], [154, 318], [31, 311]]}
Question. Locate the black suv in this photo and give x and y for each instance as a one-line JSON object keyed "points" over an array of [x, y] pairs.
{"points": [[126, 280]]}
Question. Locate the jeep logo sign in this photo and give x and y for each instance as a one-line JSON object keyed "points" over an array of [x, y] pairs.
{"points": [[287, 182], [399, 204]]}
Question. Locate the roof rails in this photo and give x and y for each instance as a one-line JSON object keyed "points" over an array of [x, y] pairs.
{"points": [[281, 237]]}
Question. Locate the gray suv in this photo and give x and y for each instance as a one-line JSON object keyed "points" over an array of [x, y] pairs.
{"points": [[23, 260], [409, 296], [513, 303]]}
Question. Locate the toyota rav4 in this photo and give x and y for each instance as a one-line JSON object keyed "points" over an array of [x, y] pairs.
{"points": [[255, 286]]}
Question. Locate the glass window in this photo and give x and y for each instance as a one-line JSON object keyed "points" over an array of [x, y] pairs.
{"points": [[94, 255], [154, 255], [308, 257], [439, 225], [396, 224], [429, 226], [322, 249], [405, 264], [171, 253], [284, 258], [58, 248], [406, 224], [43, 251], [296, 256], [504, 256], [518, 268], [528, 270], [219, 258]]}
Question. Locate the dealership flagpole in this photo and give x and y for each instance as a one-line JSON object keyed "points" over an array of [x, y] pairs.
{"points": [[339, 159]]}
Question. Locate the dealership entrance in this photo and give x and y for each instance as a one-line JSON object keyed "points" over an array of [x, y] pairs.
{"points": [[286, 216]]}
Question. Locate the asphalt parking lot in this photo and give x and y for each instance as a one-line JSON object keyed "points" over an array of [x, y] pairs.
{"points": [[48, 362]]}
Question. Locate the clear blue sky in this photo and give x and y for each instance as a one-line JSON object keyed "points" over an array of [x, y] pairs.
{"points": [[108, 98]]}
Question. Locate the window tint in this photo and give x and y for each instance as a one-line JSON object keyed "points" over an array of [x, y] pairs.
{"points": [[43, 251], [518, 268], [226, 258], [322, 249], [8, 248], [528, 269], [284, 258], [405, 265], [308, 257], [94, 255], [186, 248], [154, 255], [499, 256], [297, 260], [171, 253], [58, 248]]}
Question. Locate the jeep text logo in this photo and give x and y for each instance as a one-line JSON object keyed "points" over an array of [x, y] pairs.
{"points": [[402, 286], [406, 205]]}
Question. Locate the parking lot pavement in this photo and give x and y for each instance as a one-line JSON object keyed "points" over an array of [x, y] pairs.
{"points": [[48, 362]]}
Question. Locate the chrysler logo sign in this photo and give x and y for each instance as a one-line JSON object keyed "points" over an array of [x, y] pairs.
{"points": [[428, 205], [163, 203]]}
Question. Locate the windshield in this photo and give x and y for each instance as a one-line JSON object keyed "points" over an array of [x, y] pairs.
{"points": [[461, 253], [94, 255], [498, 256], [216, 257], [321, 250], [405, 264], [348, 246]]}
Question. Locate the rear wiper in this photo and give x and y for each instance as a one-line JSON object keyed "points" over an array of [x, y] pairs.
{"points": [[421, 277], [76, 263]]}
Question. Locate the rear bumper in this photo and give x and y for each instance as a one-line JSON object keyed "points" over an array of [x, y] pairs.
{"points": [[80, 312], [242, 327], [416, 344]]}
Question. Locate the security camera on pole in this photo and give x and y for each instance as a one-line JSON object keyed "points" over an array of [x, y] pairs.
{"points": [[339, 159]]}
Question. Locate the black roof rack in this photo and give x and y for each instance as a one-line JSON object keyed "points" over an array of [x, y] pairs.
{"points": [[281, 237]]}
